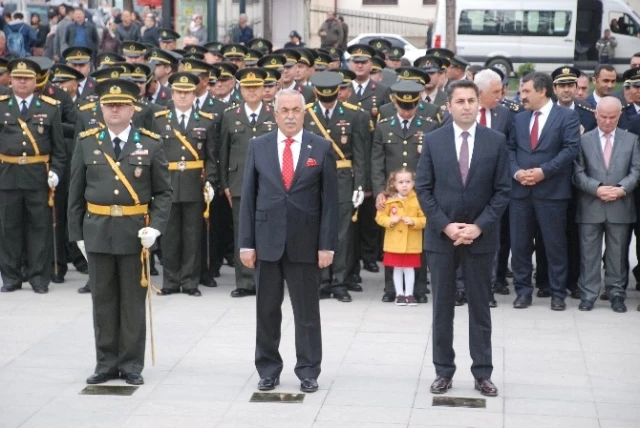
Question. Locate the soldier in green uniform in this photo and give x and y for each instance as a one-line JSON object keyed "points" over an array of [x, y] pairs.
{"points": [[271, 87], [397, 144], [288, 74], [165, 63], [336, 58], [134, 52], [168, 39], [346, 89], [252, 57], [322, 60], [305, 67], [347, 130], [80, 59], [433, 66], [107, 59], [226, 87], [32, 161], [424, 109], [251, 119], [119, 198], [188, 143], [234, 53], [260, 44]]}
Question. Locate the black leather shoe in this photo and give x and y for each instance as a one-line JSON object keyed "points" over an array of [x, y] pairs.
{"points": [[154, 271], [502, 288], [486, 387], [324, 294], [509, 273], [371, 267], [421, 298], [585, 305], [522, 302], [268, 383], [85, 289], [342, 296], [98, 378], [215, 273], [308, 385], [492, 301], [42, 289], [354, 287], [57, 279], [461, 298], [242, 292], [575, 294], [132, 378], [168, 292], [604, 296], [8, 288], [193, 292], [441, 385], [230, 262], [426, 289], [543, 292], [617, 304], [356, 278], [389, 297], [82, 268], [558, 304], [209, 283]]}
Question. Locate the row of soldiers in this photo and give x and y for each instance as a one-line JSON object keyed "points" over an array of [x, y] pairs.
{"points": [[205, 103]]}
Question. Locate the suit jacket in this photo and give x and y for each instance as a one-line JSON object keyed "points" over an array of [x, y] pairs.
{"points": [[558, 146], [501, 118], [591, 100], [300, 221], [629, 113], [444, 198], [590, 173], [634, 126]]}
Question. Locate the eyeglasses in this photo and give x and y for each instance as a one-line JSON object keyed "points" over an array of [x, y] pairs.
{"points": [[286, 111]]}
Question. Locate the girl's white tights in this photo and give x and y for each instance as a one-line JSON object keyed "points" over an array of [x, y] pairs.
{"points": [[409, 279]]}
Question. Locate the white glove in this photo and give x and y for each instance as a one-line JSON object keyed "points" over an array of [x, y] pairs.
{"points": [[52, 180], [148, 236], [82, 249], [358, 198], [208, 192]]}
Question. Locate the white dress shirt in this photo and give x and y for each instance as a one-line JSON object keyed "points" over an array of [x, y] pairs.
{"points": [[331, 109], [124, 135], [249, 112], [542, 119], [201, 99], [28, 100], [487, 116], [401, 121], [596, 97], [457, 132], [295, 148], [603, 140], [187, 115], [81, 86], [356, 84], [432, 96]]}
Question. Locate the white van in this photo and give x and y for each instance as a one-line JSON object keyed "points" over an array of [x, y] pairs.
{"points": [[550, 34]]}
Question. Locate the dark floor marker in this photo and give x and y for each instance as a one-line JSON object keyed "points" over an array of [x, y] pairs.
{"points": [[120, 390], [474, 403], [276, 397]]}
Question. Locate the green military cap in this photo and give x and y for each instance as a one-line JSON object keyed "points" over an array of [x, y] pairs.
{"points": [[275, 61], [292, 56], [105, 73], [325, 85], [180, 53], [117, 91], [167, 35], [262, 45], [378, 64], [77, 55], [631, 77], [214, 74], [440, 53], [380, 44], [361, 52], [138, 73], [4, 65], [459, 62], [108, 58], [306, 56], [213, 47], [227, 70], [251, 77], [413, 74], [64, 73], [233, 51], [197, 56], [347, 75], [429, 63], [22, 67], [161, 56], [335, 53], [273, 75], [196, 50], [252, 57], [133, 49], [322, 61], [183, 81], [406, 94], [45, 65], [195, 66], [396, 53], [566, 74]]}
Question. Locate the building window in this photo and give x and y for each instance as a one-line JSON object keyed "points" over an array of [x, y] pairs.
{"points": [[380, 2]]}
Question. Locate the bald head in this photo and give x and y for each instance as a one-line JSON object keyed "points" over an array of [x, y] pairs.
{"points": [[608, 114]]}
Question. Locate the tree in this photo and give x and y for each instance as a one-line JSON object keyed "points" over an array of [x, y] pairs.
{"points": [[451, 24]]}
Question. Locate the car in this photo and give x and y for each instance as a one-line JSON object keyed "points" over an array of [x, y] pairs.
{"points": [[411, 53]]}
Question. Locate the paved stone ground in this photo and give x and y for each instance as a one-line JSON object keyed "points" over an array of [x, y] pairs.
{"points": [[554, 369]]}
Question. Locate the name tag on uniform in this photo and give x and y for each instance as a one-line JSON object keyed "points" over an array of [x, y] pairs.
{"points": [[140, 153]]}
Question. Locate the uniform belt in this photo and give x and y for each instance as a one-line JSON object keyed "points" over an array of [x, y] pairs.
{"points": [[182, 165], [345, 163], [117, 210], [24, 160]]}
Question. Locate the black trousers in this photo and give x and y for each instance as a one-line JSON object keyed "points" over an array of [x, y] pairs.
{"points": [[118, 312], [368, 231], [62, 235], [244, 276], [220, 236], [181, 250], [25, 226], [476, 271], [303, 280], [505, 249], [338, 275]]}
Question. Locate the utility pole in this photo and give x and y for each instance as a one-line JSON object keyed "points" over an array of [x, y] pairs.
{"points": [[451, 25], [243, 6], [212, 21]]}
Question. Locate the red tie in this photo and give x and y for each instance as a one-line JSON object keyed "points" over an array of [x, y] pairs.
{"points": [[287, 163], [534, 131], [483, 116]]}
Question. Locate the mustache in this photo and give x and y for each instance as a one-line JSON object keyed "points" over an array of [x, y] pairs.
{"points": [[290, 122]]}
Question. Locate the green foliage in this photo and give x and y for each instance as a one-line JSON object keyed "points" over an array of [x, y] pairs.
{"points": [[525, 68]]}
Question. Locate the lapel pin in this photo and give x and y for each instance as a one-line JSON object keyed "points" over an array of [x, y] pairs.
{"points": [[308, 146]]}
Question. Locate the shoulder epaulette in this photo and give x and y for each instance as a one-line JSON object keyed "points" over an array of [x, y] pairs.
{"points": [[386, 119], [49, 100], [137, 108], [230, 108], [426, 119], [149, 133], [162, 113], [350, 106], [88, 132], [205, 114], [4, 97], [87, 106], [586, 107], [308, 106]]}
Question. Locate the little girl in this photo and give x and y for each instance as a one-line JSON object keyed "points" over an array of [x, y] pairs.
{"points": [[403, 220]]}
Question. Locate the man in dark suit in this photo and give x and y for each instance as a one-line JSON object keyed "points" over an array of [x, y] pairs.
{"points": [[543, 143], [463, 185], [288, 223], [604, 79]]}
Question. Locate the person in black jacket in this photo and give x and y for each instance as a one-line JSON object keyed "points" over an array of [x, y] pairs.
{"points": [[150, 32], [82, 32]]}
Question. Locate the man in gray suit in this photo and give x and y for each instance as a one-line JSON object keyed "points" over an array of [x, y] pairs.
{"points": [[606, 173]]}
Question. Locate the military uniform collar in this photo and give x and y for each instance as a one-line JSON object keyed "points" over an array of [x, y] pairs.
{"points": [[401, 120], [124, 135], [364, 85], [202, 99], [249, 112], [19, 100]]}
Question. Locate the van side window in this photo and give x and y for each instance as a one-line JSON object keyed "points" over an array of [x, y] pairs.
{"points": [[515, 22], [621, 23]]}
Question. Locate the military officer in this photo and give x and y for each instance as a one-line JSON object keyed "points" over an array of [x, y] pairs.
{"points": [[80, 59], [5, 78], [347, 130], [188, 142], [213, 54], [252, 57], [250, 119], [271, 87], [288, 74], [134, 52], [445, 56], [565, 87], [305, 67], [234, 53], [260, 44], [119, 203], [32, 161], [166, 62], [158, 94], [377, 66], [168, 39], [107, 59], [631, 79], [397, 144], [226, 87], [433, 66], [370, 96], [346, 89], [425, 109]]}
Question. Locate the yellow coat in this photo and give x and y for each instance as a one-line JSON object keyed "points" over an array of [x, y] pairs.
{"points": [[402, 239]]}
